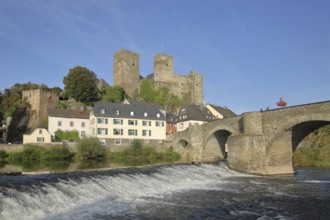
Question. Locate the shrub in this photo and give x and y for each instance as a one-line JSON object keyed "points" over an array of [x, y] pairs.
{"points": [[57, 152], [90, 148], [3, 154], [38, 153], [67, 135]]}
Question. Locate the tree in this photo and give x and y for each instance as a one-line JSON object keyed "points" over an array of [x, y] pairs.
{"points": [[160, 96], [115, 94], [81, 84]]}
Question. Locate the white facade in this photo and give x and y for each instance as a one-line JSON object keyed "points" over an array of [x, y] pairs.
{"points": [[127, 128], [68, 124], [39, 135]]}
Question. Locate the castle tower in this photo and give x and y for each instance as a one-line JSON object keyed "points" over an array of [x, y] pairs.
{"points": [[40, 101], [126, 71], [163, 68]]}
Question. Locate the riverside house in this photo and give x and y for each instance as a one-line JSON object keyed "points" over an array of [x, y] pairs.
{"points": [[193, 115], [39, 135], [68, 120], [119, 124]]}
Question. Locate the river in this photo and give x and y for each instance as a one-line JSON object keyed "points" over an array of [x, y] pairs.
{"points": [[177, 191]]}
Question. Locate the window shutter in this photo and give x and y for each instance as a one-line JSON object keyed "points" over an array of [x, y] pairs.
{"points": [[106, 121], [121, 132], [121, 121], [149, 132], [149, 123], [106, 131], [135, 122], [114, 131]]}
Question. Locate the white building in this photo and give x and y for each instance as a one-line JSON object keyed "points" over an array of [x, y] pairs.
{"points": [[39, 135], [68, 120], [117, 124], [193, 115]]}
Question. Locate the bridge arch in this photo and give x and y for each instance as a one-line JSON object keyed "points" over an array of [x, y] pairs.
{"points": [[215, 143], [279, 152]]}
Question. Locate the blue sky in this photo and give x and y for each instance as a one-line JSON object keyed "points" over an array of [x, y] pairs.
{"points": [[251, 52]]}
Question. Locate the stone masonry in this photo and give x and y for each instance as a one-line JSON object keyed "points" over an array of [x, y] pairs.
{"points": [[127, 75], [257, 142]]}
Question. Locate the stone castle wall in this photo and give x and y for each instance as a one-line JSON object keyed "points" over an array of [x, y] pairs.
{"points": [[127, 75], [39, 100]]}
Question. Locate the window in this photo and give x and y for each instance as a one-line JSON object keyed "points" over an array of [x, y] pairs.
{"points": [[116, 112], [82, 124], [102, 111], [40, 139], [102, 120], [102, 131], [145, 114], [158, 123], [117, 121], [82, 133], [158, 115], [40, 131], [146, 133], [132, 122], [103, 142], [71, 123], [131, 141], [132, 132], [146, 123], [131, 113], [117, 141], [59, 123], [118, 131]]}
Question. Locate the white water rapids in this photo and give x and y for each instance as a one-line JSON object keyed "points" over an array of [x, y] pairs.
{"points": [[181, 191], [106, 195]]}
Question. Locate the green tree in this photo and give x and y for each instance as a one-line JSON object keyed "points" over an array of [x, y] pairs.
{"points": [[90, 148], [147, 91], [67, 135], [160, 96], [115, 94], [81, 84]]}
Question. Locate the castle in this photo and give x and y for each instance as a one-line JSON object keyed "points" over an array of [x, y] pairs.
{"points": [[126, 73]]}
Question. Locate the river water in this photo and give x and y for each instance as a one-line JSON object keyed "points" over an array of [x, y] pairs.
{"points": [[180, 191]]}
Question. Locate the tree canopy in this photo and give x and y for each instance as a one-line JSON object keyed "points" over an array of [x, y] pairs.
{"points": [[81, 84], [160, 96], [115, 94]]}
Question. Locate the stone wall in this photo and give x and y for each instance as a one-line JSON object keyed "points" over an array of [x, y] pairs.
{"points": [[127, 75]]}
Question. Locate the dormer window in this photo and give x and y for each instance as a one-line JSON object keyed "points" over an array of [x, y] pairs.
{"points": [[116, 112], [145, 114], [158, 115], [102, 111], [131, 113]]}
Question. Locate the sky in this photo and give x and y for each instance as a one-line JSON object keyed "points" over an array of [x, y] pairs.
{"points": [[250, 52]]}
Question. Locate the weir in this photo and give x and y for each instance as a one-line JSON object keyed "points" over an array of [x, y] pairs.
{"points": [[254, 142]]}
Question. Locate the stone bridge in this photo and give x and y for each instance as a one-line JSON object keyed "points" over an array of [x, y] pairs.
{"points": [[254, 142]]}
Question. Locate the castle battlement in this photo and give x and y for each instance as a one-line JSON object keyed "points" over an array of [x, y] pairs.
{"points": [[126, 74]]}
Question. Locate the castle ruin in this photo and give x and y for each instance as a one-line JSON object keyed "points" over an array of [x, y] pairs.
{"points": [[126, 74]]}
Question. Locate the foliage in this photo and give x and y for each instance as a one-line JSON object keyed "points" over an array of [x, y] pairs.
{"points": [[3, 154], [1, 107], [90, 148], [160, 96], [58, 152], [136, 155], [67, 135], [62, 105], [81, 84], [115, 94], [315, 149], [12, 98], [37, 153]]}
